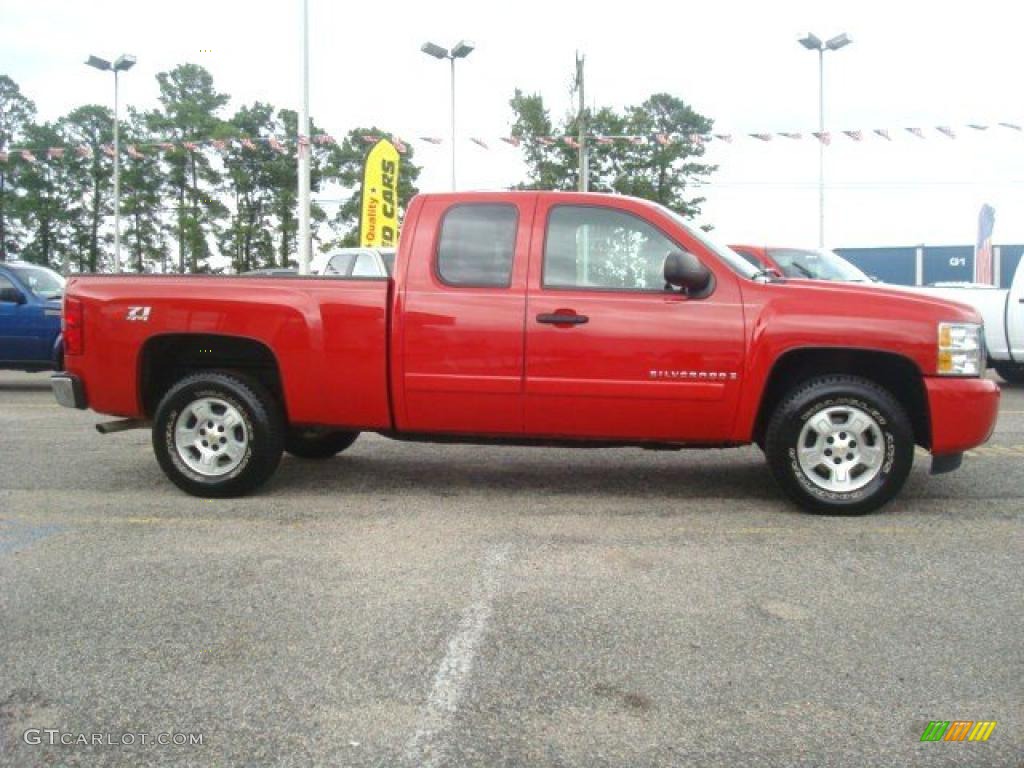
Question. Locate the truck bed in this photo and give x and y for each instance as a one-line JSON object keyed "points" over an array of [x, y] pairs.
{"points": [[326, 335]]}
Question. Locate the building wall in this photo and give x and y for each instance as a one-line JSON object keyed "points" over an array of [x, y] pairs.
{"points": [[939, 263]]}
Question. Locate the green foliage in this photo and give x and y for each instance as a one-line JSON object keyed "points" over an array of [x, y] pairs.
{"points": [[16, 112], [662, 173]]}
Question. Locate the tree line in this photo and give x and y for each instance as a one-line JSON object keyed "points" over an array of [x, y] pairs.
{"points": [[196, 211]]}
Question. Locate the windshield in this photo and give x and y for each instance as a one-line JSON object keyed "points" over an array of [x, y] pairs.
{"points": [[43, 282], [732, 259], [816, 265]]}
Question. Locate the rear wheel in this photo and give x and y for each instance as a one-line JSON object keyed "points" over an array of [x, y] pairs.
{"points": [[218, 434], [317, 444], [1012, 373], [840, 445]]}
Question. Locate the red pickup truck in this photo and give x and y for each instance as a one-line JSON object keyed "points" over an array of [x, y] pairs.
{"points": [[535, 318]]}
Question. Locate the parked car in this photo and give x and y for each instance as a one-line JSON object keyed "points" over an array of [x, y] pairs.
{"points": [[536, 318], [344, 262], [803, 263], [355, 262], [1003, 313], [30, 334]]}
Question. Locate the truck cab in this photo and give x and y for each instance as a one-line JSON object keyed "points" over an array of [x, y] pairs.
{"points": [[536, 318], [30, 312]]}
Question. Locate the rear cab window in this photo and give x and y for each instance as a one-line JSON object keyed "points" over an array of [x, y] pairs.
{"points": [[477, 245]]}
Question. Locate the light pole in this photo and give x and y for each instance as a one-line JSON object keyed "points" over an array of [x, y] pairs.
{"points": [[814, 43], [123, 63], [304, 150], [461, 50]]}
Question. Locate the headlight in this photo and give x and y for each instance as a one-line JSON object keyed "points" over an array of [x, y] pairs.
{"points": [[961, 349]]}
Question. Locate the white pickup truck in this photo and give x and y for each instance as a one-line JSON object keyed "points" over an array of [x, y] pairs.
{"points": [[1003, 311]]}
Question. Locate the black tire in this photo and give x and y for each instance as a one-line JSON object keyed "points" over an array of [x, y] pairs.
{"points": [[894, 439], [1011, 373], [263, 426], [316, 443]]}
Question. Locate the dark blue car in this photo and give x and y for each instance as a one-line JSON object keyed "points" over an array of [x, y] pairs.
{"points": [[30, 306]]}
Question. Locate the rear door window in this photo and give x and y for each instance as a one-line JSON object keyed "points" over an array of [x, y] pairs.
{"points": [[477, 245]]}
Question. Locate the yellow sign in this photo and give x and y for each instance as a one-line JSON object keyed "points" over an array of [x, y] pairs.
{"points": [[378, 226]]}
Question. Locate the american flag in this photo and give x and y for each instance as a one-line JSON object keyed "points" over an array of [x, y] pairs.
{"points": [[983, 250]]}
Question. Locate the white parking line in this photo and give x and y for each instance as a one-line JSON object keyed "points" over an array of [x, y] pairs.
{"points": [[427, 746]]}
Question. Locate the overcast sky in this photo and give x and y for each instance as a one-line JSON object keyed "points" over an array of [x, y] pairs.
{"points": [[911, 64]]}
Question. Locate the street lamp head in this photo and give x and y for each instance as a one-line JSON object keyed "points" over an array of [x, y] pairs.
{"points": [[812, 42], [98, 63], [839, 41], [462, 49], [124, 62], [435, 50]]}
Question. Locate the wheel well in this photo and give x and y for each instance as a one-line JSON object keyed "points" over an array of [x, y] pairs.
{"points": [[166, 359], [896, 374]]}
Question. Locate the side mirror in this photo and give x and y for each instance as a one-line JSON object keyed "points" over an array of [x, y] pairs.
{"points": [[684, 270], [11, 295]]}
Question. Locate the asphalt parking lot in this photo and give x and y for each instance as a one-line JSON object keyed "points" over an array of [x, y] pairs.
{"points": [[419, 605]]}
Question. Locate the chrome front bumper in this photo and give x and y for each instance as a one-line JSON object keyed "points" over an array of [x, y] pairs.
{"points": [[68, 390]]}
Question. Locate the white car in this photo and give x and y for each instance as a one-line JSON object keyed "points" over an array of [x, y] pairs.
{"points": [[354, 262], [1003, 312]]}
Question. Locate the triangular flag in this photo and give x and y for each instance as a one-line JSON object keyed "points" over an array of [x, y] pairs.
{"points": [[434, 139], [726, 137], [917, 132], [513, 140], [791, 135], [55, 153], [479, 142], [761, 136], [945, 130], [823, 136], [1011, 126], [27, 156], [855, 135], [884, 133]]}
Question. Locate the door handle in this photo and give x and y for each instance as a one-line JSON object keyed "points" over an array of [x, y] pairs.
{"points": [[562, 318]]}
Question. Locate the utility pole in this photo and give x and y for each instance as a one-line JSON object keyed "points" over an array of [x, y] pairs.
{"points": [[582, 124], [304, 151]]}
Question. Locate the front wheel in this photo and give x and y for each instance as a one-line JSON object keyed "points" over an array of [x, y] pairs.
{"points": [[317, 444], [1011, 373], [218, 435], [840, 445]]}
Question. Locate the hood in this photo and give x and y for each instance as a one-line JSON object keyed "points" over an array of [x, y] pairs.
{"points": [[881, 299]]}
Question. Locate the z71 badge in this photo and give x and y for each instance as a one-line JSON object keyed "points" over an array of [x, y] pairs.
{"points": [[138, 314]]}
